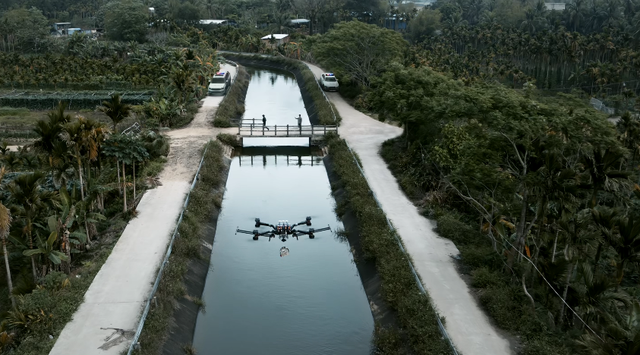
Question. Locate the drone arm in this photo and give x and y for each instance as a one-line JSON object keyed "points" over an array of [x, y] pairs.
{"points": [[252, 232], [307, 222], [327, 228], [244, 231]]}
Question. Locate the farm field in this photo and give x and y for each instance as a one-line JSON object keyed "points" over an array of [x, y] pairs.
{"points": [[16, 124]]}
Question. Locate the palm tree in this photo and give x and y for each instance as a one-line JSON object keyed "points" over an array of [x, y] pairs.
{"points": [[627, 245], [606, 220], [5, 225], [84, 137], [116, 110], [30, 200], [602, 168]]}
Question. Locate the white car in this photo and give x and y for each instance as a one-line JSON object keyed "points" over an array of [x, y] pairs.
{"points": [[328, 81], [220, 82]]}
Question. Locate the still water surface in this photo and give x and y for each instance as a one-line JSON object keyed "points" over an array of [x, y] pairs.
{"points": [[308, 302]]}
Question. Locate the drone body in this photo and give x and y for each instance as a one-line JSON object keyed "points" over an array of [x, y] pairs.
{"points": [[283, 230]]}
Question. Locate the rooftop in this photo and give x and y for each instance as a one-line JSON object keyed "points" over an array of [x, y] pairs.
{"points": [[276, 36], [212, 22]]}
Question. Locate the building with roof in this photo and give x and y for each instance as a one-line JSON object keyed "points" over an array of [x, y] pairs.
{"points": [[213, 22], [275, 39], [559, 6]]}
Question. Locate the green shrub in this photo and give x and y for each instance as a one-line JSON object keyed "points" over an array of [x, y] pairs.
{"points": [[229, 139], [153, 168], [504, 303], [450, 227], [483, 277], [222, 122], [232, 106]]}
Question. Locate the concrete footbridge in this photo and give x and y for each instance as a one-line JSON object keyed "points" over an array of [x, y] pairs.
{"points": [[253, 128]]}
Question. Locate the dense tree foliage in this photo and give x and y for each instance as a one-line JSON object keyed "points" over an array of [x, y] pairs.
{"points": [[542, 186], [358, 51], [126, 20], [23, 30], [61, 198]]}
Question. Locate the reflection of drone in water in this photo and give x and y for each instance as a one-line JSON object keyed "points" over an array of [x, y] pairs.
{"points": [[283, 230]]}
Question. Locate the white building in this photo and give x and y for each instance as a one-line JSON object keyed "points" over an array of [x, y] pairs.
{"points": [[213, 22], [559, 6], [279, 38]]}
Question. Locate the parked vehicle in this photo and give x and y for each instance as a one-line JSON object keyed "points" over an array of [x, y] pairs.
{"points": [[220, 83], [329, 82]]}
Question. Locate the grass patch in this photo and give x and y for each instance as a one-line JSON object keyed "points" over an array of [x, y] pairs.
{"points": [[315, 101], [184, 120], [13, 112], [186, 247], [416, 318], [232, 106]]}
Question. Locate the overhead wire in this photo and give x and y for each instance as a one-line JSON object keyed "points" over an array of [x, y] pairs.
{"points": [[554, 290]]}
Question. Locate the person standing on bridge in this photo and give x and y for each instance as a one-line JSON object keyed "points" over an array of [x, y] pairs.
{"points": [[299, 118], [264, 123]]}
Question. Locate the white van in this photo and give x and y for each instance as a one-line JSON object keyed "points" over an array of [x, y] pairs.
{"points": [[220, 83]]}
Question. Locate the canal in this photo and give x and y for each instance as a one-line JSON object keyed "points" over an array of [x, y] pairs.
{"points": [[308, 302]]}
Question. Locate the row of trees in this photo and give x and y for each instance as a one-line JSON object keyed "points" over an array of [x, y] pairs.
{"points": [[603, 63], [582, 16], [85, 62]]}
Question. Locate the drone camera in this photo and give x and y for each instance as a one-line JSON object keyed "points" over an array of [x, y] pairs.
{"points": [[308, 221]]}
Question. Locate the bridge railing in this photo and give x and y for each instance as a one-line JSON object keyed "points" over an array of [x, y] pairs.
{"points": [[264, 160], [247, 130]]}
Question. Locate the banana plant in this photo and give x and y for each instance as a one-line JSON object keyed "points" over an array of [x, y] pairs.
{"points": [[47, 249]]}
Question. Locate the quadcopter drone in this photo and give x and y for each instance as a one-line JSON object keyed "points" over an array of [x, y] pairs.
{"points": [[283, 230]]}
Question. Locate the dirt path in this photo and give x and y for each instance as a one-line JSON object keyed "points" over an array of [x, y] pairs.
{"points": [[187, 143], [467, 325], [110, 313]]}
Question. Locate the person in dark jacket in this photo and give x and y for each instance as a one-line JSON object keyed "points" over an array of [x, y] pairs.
{"points": [[264, 123]]}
